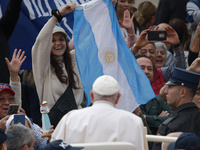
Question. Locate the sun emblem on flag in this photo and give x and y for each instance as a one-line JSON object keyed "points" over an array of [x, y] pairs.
{"points": [[108, 56]]}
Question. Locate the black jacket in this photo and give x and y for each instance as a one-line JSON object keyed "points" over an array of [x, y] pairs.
{"points": [[7, 25], [186, 118]]}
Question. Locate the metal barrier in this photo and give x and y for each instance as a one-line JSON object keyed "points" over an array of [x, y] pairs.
{"points": [[157, 138]]}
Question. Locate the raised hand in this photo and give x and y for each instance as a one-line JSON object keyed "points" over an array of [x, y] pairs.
{"points": [[141, 41], [69, 7], [172, 36], [196, 40], [21, 111], [195, 66], [197, 32], [127, 22], [15, 64], [3, 122]]}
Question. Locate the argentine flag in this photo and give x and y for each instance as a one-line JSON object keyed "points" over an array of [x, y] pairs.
{"points": [[100, 49]]}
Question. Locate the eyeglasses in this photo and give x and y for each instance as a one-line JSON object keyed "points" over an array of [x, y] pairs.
{"points": [[3, 99], [197, 92]]}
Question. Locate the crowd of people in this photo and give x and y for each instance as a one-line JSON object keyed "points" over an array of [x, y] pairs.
{"points": [[171, 65]]}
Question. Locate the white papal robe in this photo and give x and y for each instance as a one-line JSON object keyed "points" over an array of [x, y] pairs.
{"points": [[101, 123]]}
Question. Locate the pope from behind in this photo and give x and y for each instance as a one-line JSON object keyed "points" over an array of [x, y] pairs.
{"points": [[102, 122]]}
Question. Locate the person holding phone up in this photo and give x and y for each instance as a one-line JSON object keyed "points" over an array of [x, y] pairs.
{"points": [[11, 93], [143, 46]]}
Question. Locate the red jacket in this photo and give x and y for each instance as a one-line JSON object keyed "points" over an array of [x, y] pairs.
{"points": [[158, 80]]}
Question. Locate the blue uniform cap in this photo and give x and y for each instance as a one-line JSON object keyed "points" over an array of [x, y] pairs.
{"points": [[184, 77]]}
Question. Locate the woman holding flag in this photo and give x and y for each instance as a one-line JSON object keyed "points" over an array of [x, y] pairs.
{"points": [[54, 68]]}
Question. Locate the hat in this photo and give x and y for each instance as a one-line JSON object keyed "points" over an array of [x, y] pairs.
{"points": [[4, 137], [59, 29], [6, 87], [10, 119], [184, 77], [60, 145], [105, 85], [44, 102], [187, 141]]}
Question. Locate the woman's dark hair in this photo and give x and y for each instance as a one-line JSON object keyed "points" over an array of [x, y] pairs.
{"points": [[57, 65], [181, 28]]}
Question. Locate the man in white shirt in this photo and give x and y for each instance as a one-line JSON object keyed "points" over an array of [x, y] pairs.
{"points": [[102, 122]]}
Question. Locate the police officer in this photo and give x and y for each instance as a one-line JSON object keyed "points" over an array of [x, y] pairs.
{"points": [[180, 91]]}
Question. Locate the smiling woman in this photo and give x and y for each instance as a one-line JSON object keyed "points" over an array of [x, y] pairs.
{"points": [[161, 54], [54, 67], [59, 44]]}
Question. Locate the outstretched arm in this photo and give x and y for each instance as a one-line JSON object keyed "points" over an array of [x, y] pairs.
{"points": [[172, 36], [69, 7], [141, 41], [127, 23], [14, 66], [194, 48], [195, 66]]}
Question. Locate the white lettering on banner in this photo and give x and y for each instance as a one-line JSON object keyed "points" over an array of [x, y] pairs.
{"points": [[59, 4], [83, 1], [30, 9], [48, 6], [77, 2], [66, 25], [42, 10], [37, 9], [70, 1]]}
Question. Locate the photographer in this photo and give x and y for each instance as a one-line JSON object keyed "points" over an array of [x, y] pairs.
{"points": [[146, 47]]}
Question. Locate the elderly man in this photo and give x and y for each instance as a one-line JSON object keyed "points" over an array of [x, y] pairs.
{"points": [[102, 122], [23, 138], [10, 95], [180, 91], [6, 98]]}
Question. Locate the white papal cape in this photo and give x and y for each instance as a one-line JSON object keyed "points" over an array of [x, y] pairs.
{"points": [[101, 123]]}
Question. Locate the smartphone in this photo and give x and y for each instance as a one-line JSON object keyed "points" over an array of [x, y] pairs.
{"points": [[19, 119], [157, 35], [12, 109]]}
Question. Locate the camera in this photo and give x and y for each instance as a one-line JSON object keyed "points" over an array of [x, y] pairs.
{"points": [[157, 35]]}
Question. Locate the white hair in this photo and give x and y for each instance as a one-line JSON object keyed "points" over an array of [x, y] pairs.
{"points": [[161, 44]]}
